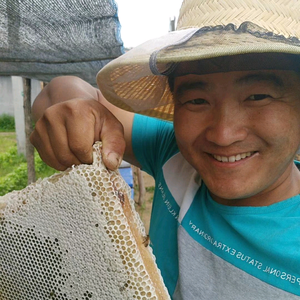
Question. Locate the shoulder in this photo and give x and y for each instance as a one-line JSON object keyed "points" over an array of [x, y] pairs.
{"points": [[153, 142]]}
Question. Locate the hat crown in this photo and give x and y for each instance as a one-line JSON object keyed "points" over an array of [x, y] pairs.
{"points": [[278, 16]]}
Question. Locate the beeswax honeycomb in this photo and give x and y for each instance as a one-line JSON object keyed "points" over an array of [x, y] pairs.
{"points": [[76, 236]]}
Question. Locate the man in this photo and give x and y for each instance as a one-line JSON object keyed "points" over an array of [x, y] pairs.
{"points": [[225, 213]]}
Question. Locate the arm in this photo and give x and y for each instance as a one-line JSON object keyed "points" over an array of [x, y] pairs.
{"points": [[70, 116]]}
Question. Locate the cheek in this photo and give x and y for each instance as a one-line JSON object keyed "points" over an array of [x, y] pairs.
{"points": [[185, 126], [189, 135], [180, 125], [280, 127], [183, 133]]}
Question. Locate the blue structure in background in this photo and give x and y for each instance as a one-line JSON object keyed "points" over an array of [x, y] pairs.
{"points": [[126, 172]]}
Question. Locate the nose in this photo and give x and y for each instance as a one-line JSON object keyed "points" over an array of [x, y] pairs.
{"points": [[226, 126]]}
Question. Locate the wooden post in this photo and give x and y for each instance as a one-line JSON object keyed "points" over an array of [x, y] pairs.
{"points": [[141, 185], [28, 129]]}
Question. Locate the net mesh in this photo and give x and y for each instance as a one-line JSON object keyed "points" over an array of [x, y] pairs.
{"points": [[45, 38]]}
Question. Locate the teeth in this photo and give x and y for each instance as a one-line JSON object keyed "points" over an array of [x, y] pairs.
{"points": [[232, 158]]}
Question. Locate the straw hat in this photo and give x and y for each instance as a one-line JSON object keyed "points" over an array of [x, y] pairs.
{"points": [[138, 80]]}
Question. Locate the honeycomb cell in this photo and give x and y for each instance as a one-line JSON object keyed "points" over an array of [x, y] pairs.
{"points": [[76, 235]]}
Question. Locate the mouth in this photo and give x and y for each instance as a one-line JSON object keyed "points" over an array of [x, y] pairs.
{"points": [[232, 158]]}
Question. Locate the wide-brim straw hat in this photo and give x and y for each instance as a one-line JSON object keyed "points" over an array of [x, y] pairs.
{"points": [[137, 81]]}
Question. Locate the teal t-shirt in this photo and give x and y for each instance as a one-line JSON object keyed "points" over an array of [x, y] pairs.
{"points": [[206, 250]]}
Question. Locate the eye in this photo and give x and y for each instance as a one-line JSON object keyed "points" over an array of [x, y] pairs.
{"points": [[258, 97], [197, 101]]}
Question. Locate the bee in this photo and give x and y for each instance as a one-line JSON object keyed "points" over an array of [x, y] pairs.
{"points": [[146, 240]]}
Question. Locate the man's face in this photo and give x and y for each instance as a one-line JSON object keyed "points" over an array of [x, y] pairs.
{"points": [[240, 130]]}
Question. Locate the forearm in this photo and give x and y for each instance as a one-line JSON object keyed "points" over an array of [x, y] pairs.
{"points": [[61, 89]]}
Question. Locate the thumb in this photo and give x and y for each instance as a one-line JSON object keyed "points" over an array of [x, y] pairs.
{"points": [[113, 142]]}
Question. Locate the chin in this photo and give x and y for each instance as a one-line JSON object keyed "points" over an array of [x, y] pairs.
{"points": [[229, 194]]}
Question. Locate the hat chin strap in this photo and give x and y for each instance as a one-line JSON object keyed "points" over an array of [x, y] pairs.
{"points": [[169, 68]]}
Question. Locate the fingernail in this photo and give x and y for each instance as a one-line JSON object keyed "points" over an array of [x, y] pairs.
{"points": [[114, 160]]}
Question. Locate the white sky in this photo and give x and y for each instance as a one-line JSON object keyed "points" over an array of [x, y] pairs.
{"points": [[142, 20]]}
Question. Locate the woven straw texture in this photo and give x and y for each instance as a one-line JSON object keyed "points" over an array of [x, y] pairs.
{"points": [[279, 17], [206, 29]]}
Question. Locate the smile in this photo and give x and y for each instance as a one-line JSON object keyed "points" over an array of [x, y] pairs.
{"points": [[232, 158]]}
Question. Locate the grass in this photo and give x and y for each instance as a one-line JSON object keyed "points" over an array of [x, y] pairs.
{"points": [[7, 140], [11, 162], [7, 123], [13, 167]]}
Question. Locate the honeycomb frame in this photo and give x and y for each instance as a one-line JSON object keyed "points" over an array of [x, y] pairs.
{"points": [[73, 236]]}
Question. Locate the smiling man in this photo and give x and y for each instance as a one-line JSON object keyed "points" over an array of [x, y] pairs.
{"points": [[228, 124], [226, 210]]}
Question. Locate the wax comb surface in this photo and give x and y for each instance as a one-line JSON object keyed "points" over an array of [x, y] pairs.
{"points": [[76, 235]]}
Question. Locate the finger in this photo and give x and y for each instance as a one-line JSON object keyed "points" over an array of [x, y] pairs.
{"points": [[58, 137], [83, 125], [54, 147], [40, 140], [71, 137], [81, 138], [113, 141]]}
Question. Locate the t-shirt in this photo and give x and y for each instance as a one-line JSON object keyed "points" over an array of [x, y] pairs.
{"points": [[206, 250]]}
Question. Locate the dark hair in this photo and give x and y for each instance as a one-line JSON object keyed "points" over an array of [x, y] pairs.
{"points": [[283, 61]]}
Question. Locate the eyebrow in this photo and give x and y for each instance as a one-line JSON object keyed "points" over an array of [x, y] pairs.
{"points": [[271, 78], [186, 86]]}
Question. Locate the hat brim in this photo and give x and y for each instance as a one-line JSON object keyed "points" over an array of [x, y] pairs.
{"points": [[137, 81]]}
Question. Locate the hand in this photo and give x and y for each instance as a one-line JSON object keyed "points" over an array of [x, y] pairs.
{"points": [[66, 132]]}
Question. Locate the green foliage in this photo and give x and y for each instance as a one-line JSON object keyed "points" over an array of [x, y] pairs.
{"points": [[10, 160], [17, 178], [7, 140], [7, 123]]}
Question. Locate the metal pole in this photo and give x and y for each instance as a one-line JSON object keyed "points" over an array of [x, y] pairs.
{"points": [[172, 24]]}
